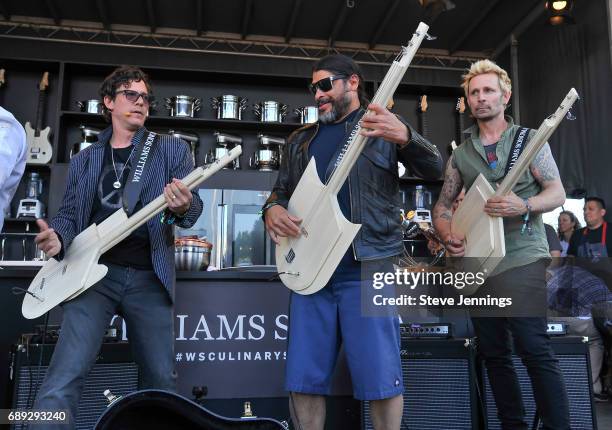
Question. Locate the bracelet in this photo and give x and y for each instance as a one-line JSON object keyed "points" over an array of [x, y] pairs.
{"points": [[526, 220], [527, 205], [167, 217], [267, 206]]}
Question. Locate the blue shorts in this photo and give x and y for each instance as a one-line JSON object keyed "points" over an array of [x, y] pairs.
{"points": [[319, 323]]}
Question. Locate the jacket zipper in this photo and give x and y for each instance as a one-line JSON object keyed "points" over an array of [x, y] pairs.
{"points": [[351, 200]]}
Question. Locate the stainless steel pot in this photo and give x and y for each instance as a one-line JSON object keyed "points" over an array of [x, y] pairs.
{"points": [[227, 139], [192, 253], [192, 257], [264, 159], [89, 134], [307, 114], [265, 140], [229, 106], [89, 137], [191, 138], [91, 106], [270, 111], [183, 106], [218, 152], [39, 254], [78, 147]]}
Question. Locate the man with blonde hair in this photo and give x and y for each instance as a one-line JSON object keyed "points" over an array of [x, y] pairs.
{"points": [[489, 148]]}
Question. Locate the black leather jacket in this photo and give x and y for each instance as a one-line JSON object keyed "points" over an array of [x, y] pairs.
{"points": [[373, 184]]}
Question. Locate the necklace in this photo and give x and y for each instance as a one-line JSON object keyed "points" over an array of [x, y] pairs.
{"points": [[117, 183]]}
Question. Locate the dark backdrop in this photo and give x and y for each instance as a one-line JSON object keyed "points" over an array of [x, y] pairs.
{"points": [[551, 61]]}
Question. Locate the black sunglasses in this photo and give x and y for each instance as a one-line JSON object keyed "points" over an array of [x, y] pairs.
{"points": [[325, 84], [133, 96]]}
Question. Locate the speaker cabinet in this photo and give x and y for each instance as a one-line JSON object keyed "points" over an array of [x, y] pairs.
{"points": [[573, 355], [113, 370], [439, 385]]}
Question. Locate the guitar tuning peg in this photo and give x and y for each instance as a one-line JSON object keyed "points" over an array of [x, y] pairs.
{"points": [[430, 37], [570, 116]]}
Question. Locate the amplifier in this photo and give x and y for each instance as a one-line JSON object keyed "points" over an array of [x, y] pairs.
{"points": [[573, 355], [52, 332], [114, 370], [426, 330], [439, 385], [556, 328]]}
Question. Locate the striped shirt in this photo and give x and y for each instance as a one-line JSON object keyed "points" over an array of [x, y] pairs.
{"points": [[171, 159]]}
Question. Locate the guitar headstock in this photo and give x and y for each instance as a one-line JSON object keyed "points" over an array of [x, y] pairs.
{"points": [[423, 103], [460, 107], [44, 82], [2, 81]]}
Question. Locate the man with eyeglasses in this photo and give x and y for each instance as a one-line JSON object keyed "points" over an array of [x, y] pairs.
{"points": [[140, 281], [320, 322]]}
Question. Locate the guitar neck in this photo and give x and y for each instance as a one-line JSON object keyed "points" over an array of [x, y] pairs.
{"points": [[460, 128], [42, 95], [118, 226], [424, 125], [548, 126], [356, 142], [353, 148]]}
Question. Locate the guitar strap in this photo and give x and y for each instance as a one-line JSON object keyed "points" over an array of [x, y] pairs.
{"points": [[350, 132], [133, 187], [518, 145]]}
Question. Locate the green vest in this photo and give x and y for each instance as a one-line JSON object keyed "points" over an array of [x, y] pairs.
{"points": [[471, 160]]}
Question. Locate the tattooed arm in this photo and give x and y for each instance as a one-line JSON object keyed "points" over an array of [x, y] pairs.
{"points": [[442, 212], [545, 171]]}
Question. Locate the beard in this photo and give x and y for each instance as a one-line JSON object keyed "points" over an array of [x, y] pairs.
{"points": [[492, 112], [338, 110]]}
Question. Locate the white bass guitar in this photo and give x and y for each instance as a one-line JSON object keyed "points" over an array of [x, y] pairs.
{"points": [[484, 235], [58, 281], [306, 263]]}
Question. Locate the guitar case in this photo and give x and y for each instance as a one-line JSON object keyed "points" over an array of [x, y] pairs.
{"points": [[164, 410]]}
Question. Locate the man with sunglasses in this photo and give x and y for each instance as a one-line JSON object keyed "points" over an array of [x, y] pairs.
{"points": [[140, 281], [320, 322]]}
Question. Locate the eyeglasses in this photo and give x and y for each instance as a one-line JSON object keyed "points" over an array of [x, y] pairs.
{"points": [[325, 84], [133, 96]]}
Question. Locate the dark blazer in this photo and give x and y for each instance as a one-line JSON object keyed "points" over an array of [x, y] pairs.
{"points": [[171, 159]]}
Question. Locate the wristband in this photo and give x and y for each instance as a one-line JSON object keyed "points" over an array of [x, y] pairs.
{"points": [[526, 220], [267, 206]]}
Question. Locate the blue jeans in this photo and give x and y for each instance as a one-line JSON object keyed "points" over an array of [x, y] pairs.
{"points": [[140, 298]]}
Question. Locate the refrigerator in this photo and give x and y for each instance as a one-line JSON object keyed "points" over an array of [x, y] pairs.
{"points": [[231, 221]]}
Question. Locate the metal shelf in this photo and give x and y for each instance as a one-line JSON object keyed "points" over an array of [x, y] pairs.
{"points": [[208, 123]]}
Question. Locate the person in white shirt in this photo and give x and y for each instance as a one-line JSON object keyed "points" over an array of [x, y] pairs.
{"points": [[12, 159]]}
